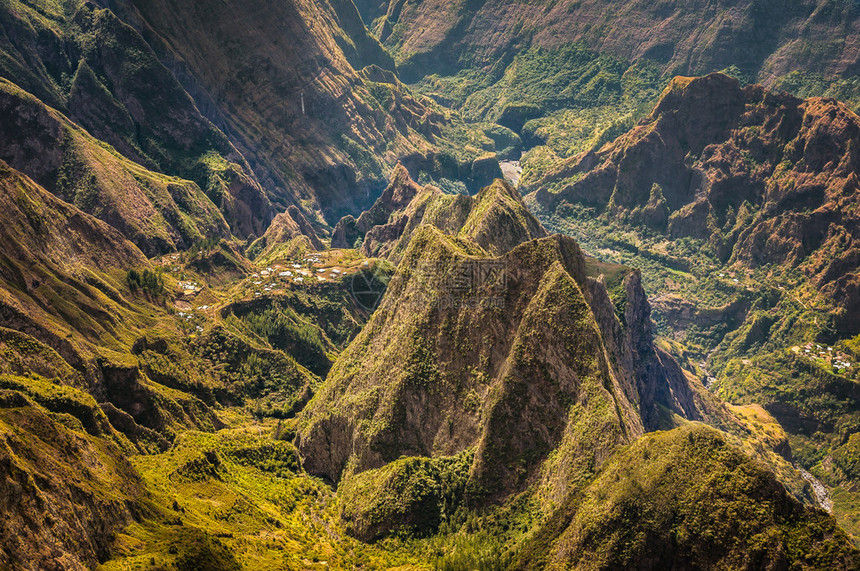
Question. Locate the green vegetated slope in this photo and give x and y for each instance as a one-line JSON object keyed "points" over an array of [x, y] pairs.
{"points": [[83, 61], [159, 213], [740, 205], [499, 214], [170, 393], [418, 409], [105, 367], [569, 76], [82, 304], [188, 381], [685, 499], [306, 112], [444, 402], [99, 363], [68, 485]]}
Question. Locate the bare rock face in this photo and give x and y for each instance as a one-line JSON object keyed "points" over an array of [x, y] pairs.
{"points": [[658, 380], [759, 176], [240, 198], [345, 233], [396, 196]]}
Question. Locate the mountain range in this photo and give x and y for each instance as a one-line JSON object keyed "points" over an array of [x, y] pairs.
{"points": [[267, 300]]}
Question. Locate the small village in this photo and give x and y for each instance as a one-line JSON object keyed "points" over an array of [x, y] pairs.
{"points": [[825, 355], [195, 302], [319, 268]]}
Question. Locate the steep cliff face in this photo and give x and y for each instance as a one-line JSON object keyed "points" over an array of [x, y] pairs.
{"points": [[431, 206], [540, 354], [625, 321], [397, 195], [502, 364], [761, 177], [98, 71], [294, 103], [302, 89], [282, 86], [494, 346], [692, 38]]}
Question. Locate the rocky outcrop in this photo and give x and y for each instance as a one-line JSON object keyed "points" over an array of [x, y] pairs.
{"points": [[396, 196], [759, 176], [152, 407], [659, 382], [499, 221], [285, 227], [474, 172], [496, 219]]}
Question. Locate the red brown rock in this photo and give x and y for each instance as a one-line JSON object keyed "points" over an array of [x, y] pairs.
{"points": [[760, 176]]}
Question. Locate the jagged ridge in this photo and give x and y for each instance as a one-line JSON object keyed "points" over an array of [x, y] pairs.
{"points": [[760, 176]]}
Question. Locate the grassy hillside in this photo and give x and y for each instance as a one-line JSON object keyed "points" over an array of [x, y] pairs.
{"points": [[170, 397], [663, 503]]}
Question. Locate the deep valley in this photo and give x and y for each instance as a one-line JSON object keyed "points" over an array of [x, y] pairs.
{"points": [[315, 284]]}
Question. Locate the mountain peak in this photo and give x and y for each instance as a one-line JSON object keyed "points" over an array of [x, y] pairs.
{"points": [[499, 220]]}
